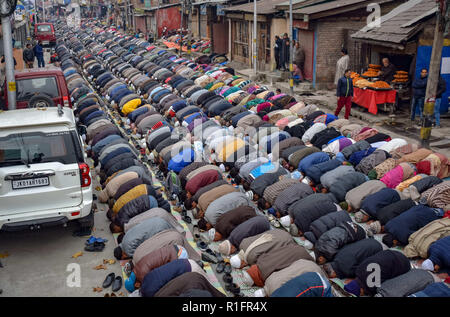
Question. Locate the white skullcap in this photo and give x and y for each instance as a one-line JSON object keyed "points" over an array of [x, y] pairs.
{"points": [[286, 221], [308, 245], [260, 293], [211, 234], [222, 167], [428, 265], [235, 261]]}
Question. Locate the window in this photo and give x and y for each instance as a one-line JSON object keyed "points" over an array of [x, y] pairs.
{"points": [[37, 147], [240, 47], [46, 28], [27, 88]]}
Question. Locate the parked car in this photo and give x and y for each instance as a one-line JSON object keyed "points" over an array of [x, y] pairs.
{"points": [[45, 32], [40, 86], [44, 177]]}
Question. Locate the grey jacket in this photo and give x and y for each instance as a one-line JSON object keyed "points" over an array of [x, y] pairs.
{"points": [[141, 232], [406, 284], [226, 203], [325, 223]]}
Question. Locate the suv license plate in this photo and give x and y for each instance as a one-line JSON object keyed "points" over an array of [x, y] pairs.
{"points": [[32, 182]]}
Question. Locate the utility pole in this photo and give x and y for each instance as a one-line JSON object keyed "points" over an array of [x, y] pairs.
{"points": [[107, 12], [181, 28], [43, 9], [189, 30], [255, 26], [9, 59], [291, 37], [434, 72]]}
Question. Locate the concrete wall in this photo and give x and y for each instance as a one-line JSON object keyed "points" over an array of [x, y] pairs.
{"points": [[331, 36], [168, 17], [139, 23]]}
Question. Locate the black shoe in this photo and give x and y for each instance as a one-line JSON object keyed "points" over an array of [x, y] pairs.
{"points": [[218, 256], [234, 289], [220, 267], [227, 268], [227, 278], [203, 246], [187, 219], [117, 284], [209, 258], [108, 280]]}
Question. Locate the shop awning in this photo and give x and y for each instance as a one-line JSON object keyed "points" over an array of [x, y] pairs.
{"points": [[163, 7], [200, 2], [263, 7], [399, 25], [324, 9]]}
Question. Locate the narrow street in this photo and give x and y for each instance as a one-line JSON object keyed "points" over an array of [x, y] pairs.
{"points": [[172, 154]]}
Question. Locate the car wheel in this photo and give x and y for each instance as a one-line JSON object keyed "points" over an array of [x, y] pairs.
{"points": [[87, 221]]}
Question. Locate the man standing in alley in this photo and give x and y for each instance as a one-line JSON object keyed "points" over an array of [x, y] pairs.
{"points": [[344, 92], [299, 60], [277, 51], [284, 54], [341, 65], [28, 56], [419, 86], [39, 53]]}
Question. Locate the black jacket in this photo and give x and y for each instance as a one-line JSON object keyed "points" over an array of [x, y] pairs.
{"points": [[344, 87], [28, 55], [442, 87]]}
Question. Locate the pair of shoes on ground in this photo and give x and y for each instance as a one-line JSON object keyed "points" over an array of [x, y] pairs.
{"points": [[209, 255], [224, 267], [233, 288], [185, 217], [94, 244], [115, 281]]}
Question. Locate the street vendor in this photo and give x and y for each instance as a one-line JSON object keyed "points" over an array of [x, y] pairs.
{"points": [[387, 71]]}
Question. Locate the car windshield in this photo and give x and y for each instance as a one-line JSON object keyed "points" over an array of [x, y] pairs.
{"points": [[46, 28], [37, 147], [27, 88]]}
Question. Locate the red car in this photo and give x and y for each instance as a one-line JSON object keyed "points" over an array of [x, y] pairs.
{"points": [[45, 32], [47, 83]]}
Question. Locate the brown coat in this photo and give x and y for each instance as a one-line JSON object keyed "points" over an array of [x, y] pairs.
{"points": [[154, 260], [207, 198], [230, 220], [281, 258]]}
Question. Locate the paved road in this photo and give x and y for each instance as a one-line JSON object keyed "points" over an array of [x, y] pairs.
{"points": [[38, 261]]}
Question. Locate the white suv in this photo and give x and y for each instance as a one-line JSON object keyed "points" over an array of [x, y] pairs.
{"points": [[44, 179]]}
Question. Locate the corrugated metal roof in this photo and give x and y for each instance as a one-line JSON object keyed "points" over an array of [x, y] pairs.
{"points": [[263, 7], [400, 24], [327, 6]]}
